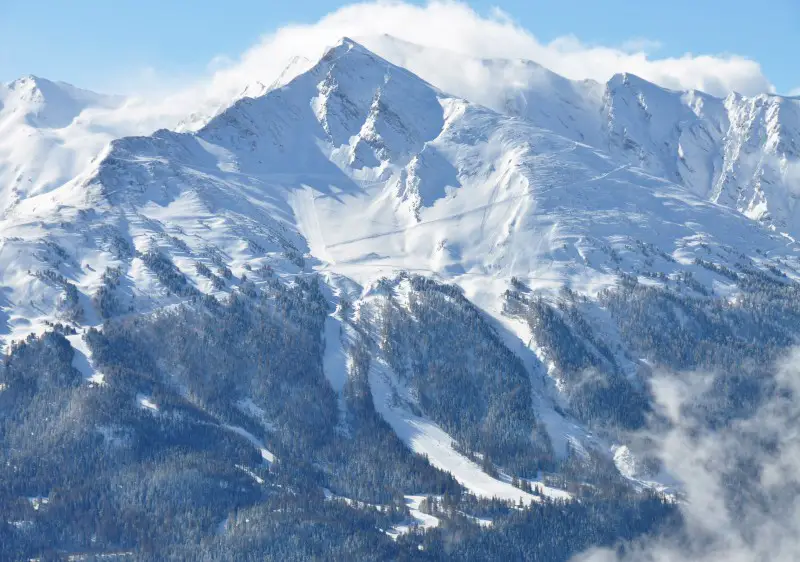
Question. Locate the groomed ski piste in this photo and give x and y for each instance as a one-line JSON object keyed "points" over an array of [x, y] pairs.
{"points": [[426, 438]]}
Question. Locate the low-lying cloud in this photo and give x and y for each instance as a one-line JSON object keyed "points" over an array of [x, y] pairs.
{"points": [[742, 480]]}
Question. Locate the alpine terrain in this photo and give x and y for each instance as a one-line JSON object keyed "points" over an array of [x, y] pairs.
{"points": [[352, 316]]}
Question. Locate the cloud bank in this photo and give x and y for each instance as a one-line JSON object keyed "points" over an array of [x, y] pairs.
{"points": [[456, 27], [742, 479], [456, 38]]}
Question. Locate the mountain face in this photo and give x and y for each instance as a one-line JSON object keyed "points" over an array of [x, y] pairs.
{"points": [[43, 141], [360, 304], [739, 152], [44, 104]]}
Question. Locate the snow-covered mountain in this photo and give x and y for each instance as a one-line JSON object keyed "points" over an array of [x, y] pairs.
{"points": [[45, 104], [41, 144], [50, 132], [361, 169], [738, 151], [502, 274], [367, 170]]}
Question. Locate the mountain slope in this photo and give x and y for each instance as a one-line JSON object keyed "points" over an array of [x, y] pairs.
{"points": [[377, 172], [739, 151], [43, 143], [359, 168]]}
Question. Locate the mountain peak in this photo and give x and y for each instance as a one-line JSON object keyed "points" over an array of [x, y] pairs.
{"points": [[345, 46], [629, 80], [51, 89], [29, 81], [29, 89], [45, 103], [363, 106]]}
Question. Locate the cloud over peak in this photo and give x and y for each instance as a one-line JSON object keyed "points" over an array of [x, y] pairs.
{"points": [[455, 26], [445, 42]]}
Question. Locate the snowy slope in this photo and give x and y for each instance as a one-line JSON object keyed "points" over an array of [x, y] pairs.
{"points": [[42, 141], [51, 132], [45, 104], [424, 437], [370, 170], [739, 151], [515, 87]]}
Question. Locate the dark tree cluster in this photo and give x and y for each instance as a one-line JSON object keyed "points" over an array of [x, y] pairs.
{"points": [[161, 460], [465, 378], [105, 299], [597, 390]]}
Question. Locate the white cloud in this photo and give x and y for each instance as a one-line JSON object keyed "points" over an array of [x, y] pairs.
{"points": [[446, 27], [455, 26], [742, 479]]}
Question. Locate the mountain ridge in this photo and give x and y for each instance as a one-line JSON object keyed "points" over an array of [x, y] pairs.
{"points": [[756, 181]]}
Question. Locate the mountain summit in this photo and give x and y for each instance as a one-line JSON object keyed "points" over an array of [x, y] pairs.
{"points": [[47, 104]]}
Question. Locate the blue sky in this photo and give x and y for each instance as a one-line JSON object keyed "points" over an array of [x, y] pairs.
{"points": [[112, 44]]}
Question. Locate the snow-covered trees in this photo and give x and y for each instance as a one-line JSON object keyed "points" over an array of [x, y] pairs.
{"points": [[466, 379]]}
